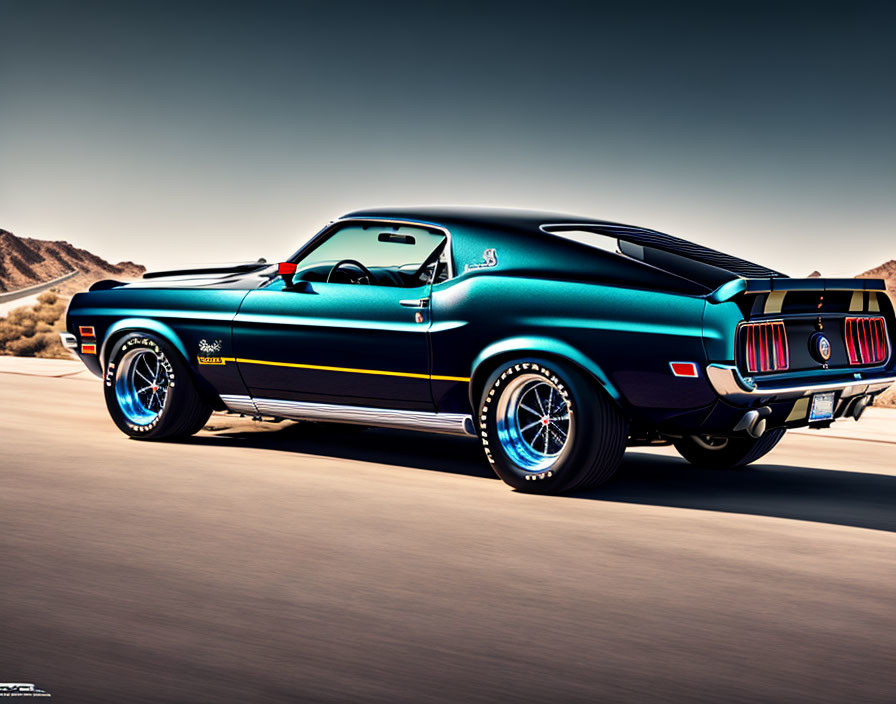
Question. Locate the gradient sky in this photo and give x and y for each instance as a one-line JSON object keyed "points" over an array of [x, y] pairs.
{"points": [[172, 133]]}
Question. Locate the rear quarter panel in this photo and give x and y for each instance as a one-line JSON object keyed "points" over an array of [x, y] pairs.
{"points": [[624, 337]]}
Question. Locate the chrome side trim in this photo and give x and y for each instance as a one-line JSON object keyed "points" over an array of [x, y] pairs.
{"points": [[448, 423], [239, 404], [69, 341], [730, 385]]}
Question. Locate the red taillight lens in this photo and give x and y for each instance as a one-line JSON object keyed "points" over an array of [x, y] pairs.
{"points": [[764, 346], [866, 340]]}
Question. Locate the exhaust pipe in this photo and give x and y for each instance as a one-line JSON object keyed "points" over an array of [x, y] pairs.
{"points": [[758, 429], [859, 406], [753, 422]]}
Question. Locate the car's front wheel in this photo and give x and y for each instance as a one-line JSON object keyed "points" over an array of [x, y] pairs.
{"points": [[724, 452], [546, 428], [149, 391]]}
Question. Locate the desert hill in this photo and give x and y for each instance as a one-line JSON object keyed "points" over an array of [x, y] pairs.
{"points": [[886, 271], [26, 262]]}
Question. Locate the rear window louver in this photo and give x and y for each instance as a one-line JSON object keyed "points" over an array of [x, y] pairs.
{"points": [[690, 250]]}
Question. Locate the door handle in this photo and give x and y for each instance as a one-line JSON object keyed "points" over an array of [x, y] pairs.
{"points": [[415, 303]]}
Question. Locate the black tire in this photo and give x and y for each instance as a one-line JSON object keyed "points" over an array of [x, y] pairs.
{"points": [[736, 452], [596, 431], [183, 410]]}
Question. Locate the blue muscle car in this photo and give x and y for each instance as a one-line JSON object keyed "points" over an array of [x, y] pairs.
{"points": [[557, 340]]}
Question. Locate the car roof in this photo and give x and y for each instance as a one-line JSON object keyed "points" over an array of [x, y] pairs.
{"points": [[507, 218], [531, 223]]}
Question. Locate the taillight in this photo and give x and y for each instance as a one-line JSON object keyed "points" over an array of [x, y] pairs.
{"points": [[866, 340], [764, 346]]}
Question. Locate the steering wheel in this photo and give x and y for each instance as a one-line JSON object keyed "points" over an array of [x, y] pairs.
{"points": [[358, 265]]}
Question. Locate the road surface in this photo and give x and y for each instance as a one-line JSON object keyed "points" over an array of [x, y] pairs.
{"points": [[10, 300], [288, 564]]}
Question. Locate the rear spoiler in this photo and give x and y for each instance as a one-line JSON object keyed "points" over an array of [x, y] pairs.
{"points": [[733, 288]]}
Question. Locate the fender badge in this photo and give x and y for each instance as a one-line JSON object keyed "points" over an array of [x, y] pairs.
{"points": [[209, 348], [210, 360], [489, 259]]}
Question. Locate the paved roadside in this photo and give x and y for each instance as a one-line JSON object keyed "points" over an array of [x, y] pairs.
{"points": [[296, 564], [32, 366], [877, 424]]}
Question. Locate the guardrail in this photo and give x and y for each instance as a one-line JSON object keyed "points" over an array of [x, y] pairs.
{"points": [[37, 288]]}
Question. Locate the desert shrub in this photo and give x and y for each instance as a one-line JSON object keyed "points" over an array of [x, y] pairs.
{"points": [[54, 348], [8, 331], [42, 344], [27, 325], [17, 315], [49, 312], [34, 331], [29, 346]]}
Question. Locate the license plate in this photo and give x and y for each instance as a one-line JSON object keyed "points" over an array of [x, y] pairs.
{"points": [[822, 407]]}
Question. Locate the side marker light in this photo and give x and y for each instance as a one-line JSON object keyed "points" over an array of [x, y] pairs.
{"points": [[685, 369]]}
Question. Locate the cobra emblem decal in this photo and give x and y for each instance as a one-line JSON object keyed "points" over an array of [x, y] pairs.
{"points": [[489, 259]]}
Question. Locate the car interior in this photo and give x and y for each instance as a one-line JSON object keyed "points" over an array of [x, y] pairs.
{"points": [[378, 255]]}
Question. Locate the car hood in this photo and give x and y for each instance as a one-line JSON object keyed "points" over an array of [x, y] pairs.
{"points": [[244, 275]]}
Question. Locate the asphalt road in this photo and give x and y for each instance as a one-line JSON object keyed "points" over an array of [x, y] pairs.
{"points": [[28, 296], [292, 564]]}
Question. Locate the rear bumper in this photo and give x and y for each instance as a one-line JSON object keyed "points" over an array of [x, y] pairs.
{"points": [[728, 383]]}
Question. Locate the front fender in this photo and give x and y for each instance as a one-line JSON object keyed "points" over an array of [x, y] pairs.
{"points": [[548, 346], [142, 325]]}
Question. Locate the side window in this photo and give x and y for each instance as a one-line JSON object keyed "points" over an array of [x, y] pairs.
{"points": [[379, 255]]}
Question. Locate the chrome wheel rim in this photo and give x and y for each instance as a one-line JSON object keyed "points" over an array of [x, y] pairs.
{"points": [[141, 386], [534, 422]]}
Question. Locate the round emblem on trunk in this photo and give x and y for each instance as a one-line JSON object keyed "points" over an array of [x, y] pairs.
{"points": [[820, 347]]}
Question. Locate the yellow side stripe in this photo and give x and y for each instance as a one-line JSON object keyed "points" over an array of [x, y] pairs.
{"points": [[294, 365], [438, 377]]}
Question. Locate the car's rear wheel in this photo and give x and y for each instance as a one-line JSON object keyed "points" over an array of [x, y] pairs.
{"points": [[721, 452], [149, 391], [547, 429]]}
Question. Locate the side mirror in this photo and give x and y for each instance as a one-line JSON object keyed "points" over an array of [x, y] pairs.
{"points": [[287, 270]]}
